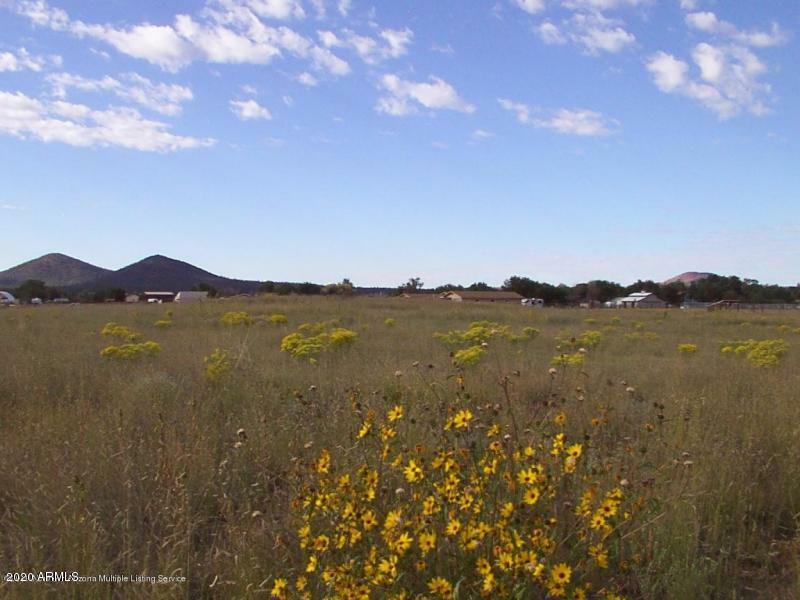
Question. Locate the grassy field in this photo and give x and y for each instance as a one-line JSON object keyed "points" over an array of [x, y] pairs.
{"points": [[207, 466]]}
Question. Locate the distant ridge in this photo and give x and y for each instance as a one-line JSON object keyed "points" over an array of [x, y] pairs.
{"points": [[154, 273], [161, 273], [55, 270], [688, 277]]}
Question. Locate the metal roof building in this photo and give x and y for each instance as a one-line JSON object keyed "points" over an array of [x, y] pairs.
{"points": [[641, 300]]}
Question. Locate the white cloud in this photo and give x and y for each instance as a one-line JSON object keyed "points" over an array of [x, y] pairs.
{"points": [[42, 14], [77, 125], [522, 111], [21, 60], [577, 122], [249, 89], [157, 44], [403, 97], [228, 31], [550, 33], [600, 5], [269, 9], [709, 23], [160, 97], [219, 44], [581, 122], [344, 7], [247, 110], [596, 32], [307, 79], [688, 4], [530, 6], [287, 100], [398, 40], [319, 9], [668, 72], [728, 79], [370, 50], [12, 207], [481, 134]]}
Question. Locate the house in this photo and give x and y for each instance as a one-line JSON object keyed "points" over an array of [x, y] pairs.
{"points": [[492, 296], [132, 298], [641, 300], [158, 297], [187, 297], [6, 299]]}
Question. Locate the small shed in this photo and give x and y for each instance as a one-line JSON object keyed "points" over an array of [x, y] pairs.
{"points": [[641, 300], [186, 297], [132, 298], [490, 296]]}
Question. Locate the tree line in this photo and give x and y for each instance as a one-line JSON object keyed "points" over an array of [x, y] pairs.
{"points": [[710, 289]]}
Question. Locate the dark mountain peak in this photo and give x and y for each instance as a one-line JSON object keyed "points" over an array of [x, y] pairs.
{"points": [[55, 269], [162, 273]]}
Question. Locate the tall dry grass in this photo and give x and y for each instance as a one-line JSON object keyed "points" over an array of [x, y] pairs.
{"points": [[146, 467]]}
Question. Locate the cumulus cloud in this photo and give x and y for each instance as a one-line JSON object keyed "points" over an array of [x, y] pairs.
{"points": [[530, 6], [394, 43], [25, 117], [550, 33], [727, 83], [160, 45], [586, 26], [227, 31], [307, 79], [597, 33], [708, 22], [402, 97], [160, 97], [248, 110], [344, 7], [22, 60], [269, 9], [581, 121]]}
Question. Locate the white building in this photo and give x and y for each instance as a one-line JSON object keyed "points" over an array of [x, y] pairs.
{"points": [[641, 300], [186, 297]]}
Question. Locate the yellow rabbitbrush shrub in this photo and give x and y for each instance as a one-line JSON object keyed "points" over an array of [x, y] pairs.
{"points": [[520, 511], [217, 365], [234, 318], [276, 319], [763, 353], [312, 339], [480, 332], [132, 351], [112, 329]]}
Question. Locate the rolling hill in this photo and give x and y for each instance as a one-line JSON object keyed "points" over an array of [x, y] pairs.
{"points": [[161, 273], [56, 270], [688, 277]]}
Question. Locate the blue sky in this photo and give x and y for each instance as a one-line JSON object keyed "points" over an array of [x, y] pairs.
{"points": [[455, 141]]}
